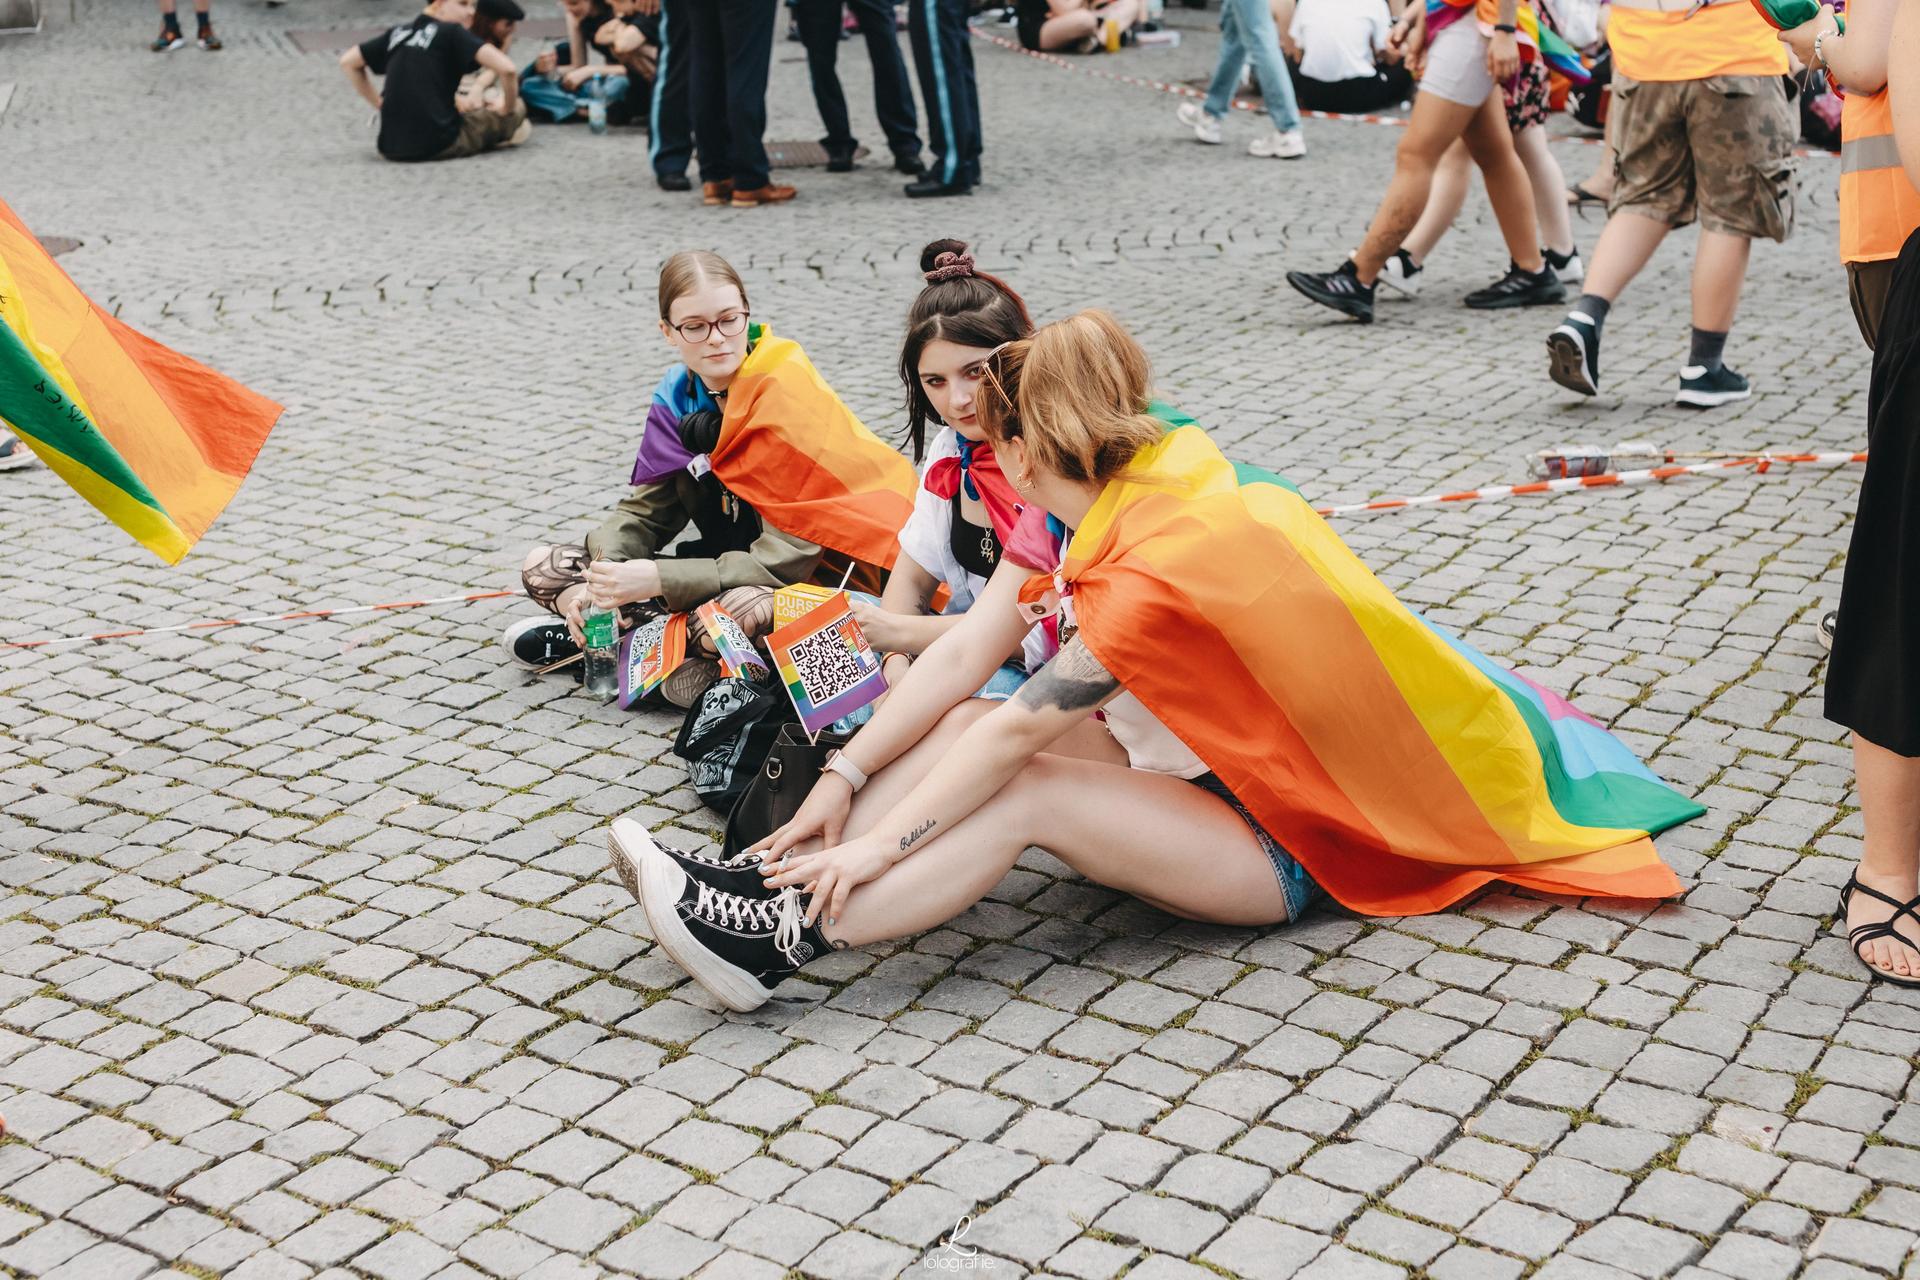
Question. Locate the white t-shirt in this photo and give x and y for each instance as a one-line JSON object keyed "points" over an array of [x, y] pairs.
{"points": [[1337, 37], [1149, 744], [928, 539]]}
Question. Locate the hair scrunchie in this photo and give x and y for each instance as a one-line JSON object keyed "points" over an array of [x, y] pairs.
{"points": [[950, 266]]}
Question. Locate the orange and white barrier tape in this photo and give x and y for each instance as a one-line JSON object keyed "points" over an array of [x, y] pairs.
{"points": [[1759, 462], [211, 624], [1243, 104]]}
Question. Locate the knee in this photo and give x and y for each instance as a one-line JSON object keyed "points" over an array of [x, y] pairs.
{"points": [[535, 558], [1413, 155]]}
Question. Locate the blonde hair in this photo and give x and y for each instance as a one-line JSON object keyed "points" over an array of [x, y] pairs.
{"points": [[688, 270], [1076, 392]]}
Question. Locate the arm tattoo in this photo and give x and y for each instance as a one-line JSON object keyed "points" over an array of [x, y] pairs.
{"points": [[914, 836], [1073, 681]]}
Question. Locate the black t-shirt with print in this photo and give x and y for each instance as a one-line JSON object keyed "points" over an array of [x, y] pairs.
{"points": [[423, 61]]}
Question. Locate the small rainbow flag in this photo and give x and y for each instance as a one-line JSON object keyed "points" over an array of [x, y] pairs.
{"points": [[156, 441], [826, 664], [1400, 766], [729, 640]]}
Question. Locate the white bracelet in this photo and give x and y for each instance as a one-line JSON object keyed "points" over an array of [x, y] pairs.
{"points": [[838, 763], [1819, 54]]}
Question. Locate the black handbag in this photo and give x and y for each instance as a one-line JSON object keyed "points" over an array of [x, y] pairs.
{"points": [[727, 735], [787, 774]]}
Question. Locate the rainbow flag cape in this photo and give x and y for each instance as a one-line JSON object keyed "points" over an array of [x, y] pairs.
{"points": [[1400, 766], [156, 441], [792, 450], [1536, 39]]}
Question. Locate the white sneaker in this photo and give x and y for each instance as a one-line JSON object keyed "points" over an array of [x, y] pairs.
{"points": [[1570, 269], [1204, 126], [1401, 277], [1290, 145]]}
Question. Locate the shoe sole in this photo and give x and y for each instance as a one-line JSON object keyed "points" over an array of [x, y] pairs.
{"points": [[620, 861], [1709, 399], [1513, 302], [1567, 365], [731, 985], [1406, 291], [16, 462], [1358, 310]]}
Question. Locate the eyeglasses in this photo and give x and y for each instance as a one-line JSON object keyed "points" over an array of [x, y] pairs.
{"points": [[730, 325]]}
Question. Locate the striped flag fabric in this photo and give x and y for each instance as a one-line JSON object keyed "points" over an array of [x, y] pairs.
{"points": [[156, 441], [1401, 766]]}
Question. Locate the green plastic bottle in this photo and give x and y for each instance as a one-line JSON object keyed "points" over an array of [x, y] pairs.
{"points": [[1785, 15]]}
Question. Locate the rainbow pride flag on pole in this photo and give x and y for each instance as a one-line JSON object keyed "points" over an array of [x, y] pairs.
{"points": [[156, 441], [1400, 766]]}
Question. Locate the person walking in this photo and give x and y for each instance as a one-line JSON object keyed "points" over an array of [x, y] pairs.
{"points": [[819, 23], [1873, 680], [170, 38], [732, 43], [670, 111], [1247, 31], [1477, 51], [1702, 130], [943, 59]]}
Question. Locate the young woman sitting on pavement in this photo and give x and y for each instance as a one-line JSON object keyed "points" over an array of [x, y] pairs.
{"points": [[747, 443], [965, 510], [1275, 722]]}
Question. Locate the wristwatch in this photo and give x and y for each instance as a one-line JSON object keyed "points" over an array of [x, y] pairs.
{"points": [[838, 763], [1506, 28]]}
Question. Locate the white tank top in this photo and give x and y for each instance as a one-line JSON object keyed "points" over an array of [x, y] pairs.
{"points": [[1150, 745]]}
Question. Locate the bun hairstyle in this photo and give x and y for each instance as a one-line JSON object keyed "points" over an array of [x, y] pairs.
{"points": [[688, 270], [963, 305], [1076, 392]]}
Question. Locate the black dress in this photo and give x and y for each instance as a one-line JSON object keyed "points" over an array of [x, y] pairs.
{"points": [[1873, 680]]}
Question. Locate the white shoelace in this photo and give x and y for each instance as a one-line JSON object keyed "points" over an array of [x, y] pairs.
{"points": [[779, 915]]}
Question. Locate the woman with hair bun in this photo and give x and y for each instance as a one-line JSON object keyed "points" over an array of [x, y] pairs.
{"points": [[965, 511], [1240, 717]]}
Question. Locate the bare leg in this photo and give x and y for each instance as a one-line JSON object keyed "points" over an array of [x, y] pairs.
{"points": [[1889, 787], [1444, 202], [1490, 143], [1165, 841], [1068, 29], [1543, 171], [1623, 249], [1600, 181], [1433, 127], [1719, 270]]}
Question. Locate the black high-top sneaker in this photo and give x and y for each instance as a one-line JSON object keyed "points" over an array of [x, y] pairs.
{"points": [[738, 945], [627, 840]]}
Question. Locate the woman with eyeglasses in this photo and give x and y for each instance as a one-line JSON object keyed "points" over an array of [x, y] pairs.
{"points": [[1239, 717], [747, 443]]}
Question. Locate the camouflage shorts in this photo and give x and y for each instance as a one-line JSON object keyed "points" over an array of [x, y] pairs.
{"points": [[1719, 149]]}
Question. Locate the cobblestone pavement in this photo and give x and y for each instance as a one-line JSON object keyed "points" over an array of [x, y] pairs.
{"points": [[310, 962]]}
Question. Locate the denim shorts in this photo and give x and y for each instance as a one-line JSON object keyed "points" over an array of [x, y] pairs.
{"points": [[1296, 886]]}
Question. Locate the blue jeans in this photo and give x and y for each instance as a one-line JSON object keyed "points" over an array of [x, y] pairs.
{"points": [[1247, 31], [544, 93]]}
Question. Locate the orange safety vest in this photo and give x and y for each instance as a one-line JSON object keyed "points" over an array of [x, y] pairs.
{"points": [[1666, 40], [1879, 207]]}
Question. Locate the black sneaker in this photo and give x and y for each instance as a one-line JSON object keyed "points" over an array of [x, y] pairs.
{"points": [[1705, 388], [739, 946], [1339, 289], [1520, 288], [839, 159], [1573, 354], [673, 181], [909, 164], [1823, 630], [628, 842], [539, 642]]}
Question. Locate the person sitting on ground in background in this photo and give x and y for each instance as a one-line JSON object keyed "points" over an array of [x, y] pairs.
{"points": [[14, 453], [1335, 50], [1248, 32], [558, 84], [1076, 26], [1312, 735], [633, 41], [1525, 99], [1471, 51], [423, 61], [494, 21], [965, 511], [747, 443]]}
